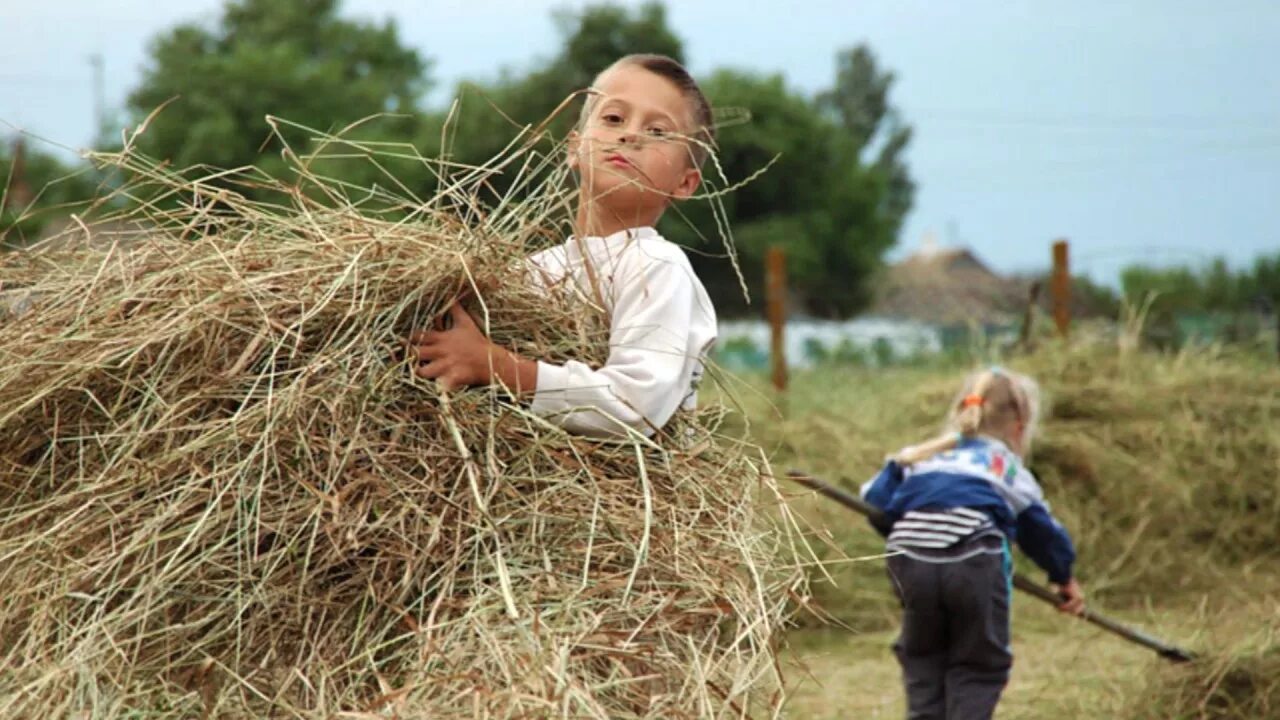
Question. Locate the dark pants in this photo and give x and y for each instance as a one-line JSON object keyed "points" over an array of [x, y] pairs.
{"points": [[954, 647]]}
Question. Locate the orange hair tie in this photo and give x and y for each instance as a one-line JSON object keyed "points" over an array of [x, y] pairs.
{"points": [[972, 401]]}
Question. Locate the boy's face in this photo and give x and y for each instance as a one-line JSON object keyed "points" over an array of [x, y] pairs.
{"points": [[632, 152]]}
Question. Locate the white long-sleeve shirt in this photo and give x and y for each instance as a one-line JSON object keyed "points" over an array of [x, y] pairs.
{"points": [[661, 325]]}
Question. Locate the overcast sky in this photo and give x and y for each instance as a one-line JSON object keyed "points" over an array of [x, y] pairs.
{"points": [[1143, 130]]}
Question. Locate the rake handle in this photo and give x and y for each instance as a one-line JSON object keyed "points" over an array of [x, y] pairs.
{"points": [[1021, 582]]}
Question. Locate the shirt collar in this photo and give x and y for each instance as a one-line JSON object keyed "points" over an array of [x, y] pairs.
{"points": [[634, 233], [985, 440]]}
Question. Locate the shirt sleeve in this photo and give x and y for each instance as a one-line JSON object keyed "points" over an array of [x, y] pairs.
{"points": [[1040, 535], [648, 374], [879, 491]]}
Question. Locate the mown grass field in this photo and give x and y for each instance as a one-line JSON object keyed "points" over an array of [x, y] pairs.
{"points": [[1163, 466]]}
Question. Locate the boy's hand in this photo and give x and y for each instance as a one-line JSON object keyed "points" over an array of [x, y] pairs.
{"points": [[457, 356], [460, 355], [1072, 597]]}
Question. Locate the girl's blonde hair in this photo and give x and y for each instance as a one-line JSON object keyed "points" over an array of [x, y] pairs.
{"points": [[991, 402]]}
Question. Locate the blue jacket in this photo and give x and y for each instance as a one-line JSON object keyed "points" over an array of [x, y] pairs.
{"points": [[983, 474]]}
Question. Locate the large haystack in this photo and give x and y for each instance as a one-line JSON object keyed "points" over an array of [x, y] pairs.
{"points": [[224, 494]]}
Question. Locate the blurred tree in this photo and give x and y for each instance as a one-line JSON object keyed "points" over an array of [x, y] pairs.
{"points": [[835, 198], [1171, 292], [860, 99], [294, 59], [1222, 289], [601, 34], [1264, 289], [35, 187], [1173, 288], [817, 201], [489, 114], [1213, 292], [1090, 299]]}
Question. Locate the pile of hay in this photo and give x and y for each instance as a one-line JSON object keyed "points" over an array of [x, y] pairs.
{"points": [[223, 493], [1163, 465], [1244, 685]]}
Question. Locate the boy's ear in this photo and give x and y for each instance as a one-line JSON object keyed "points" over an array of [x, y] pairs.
{"points": [[688, 185], [572, 146]]}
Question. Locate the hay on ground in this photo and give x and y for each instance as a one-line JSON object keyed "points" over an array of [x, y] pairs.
{"points": [[1243, 684]]}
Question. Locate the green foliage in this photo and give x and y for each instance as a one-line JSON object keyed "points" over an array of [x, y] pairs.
{"points": [[489, 114], [786, 205], [1209, 302], [1213, 287], [293, 59], [55, 188], [860, 99], [1091, 299], [832, 213]]}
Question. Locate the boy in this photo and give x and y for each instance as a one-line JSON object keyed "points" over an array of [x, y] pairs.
{"points": [[643, 134]]}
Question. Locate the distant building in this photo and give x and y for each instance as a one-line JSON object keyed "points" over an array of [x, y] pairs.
{"points": [[947, 287], [744, 344], [929, 302]]}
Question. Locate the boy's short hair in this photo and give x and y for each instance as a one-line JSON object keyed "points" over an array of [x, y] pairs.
{"points": [[704, 134]]}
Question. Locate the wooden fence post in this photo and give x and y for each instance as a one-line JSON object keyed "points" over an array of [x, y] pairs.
{"points": [[776, 308], [1061, 287]]}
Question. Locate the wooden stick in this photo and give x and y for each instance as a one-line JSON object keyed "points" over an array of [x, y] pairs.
{"points": [[776, 302], [1021, 582]]}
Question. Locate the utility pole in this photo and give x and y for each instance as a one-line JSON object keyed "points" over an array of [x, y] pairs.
{"points": [[99, 95]]}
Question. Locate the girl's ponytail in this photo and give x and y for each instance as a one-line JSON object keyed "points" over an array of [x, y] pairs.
{"points": [[927, 449], [969, 419], [969, 411]]}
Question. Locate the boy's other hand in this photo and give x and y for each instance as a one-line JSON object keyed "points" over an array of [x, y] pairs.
{"points": [[1072, 597], [457, 356]]}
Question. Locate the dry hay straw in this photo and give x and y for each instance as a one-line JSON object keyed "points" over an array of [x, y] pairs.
{"points": [[1242, 683], [1236, 687], [223, 495], [1163, 465]]}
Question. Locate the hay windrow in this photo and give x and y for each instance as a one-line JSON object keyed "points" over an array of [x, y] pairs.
{"points": [[224, 493], [1163, 465], [1243, 684]]}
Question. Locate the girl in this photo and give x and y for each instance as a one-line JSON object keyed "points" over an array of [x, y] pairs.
{"points": [[953, 505]]}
